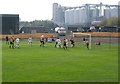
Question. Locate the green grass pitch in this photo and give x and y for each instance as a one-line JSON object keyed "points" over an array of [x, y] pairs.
{"points": [[50, 64], [0, 61]]}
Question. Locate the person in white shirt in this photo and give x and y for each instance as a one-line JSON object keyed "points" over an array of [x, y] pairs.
{"points": [[30, 40], [58, 42], [66, 40], [17, 42]]}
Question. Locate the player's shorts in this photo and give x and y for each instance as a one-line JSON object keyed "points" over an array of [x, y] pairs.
{"points": [[64, 45], [30, 41], [17, 42], [11, 42], [56, 43]]}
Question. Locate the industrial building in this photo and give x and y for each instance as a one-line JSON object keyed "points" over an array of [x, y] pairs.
{"points": [[82, 15], [9, 23], [110, 12], [58, 14], [33, 29], [75, 16]]}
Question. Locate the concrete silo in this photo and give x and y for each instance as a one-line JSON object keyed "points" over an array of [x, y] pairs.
{"points": [[107, 13], [76, 16], [80, 16], [67, 18], [72, 17], [114, 12], [83, 16], [55, 12], [95, 14]]}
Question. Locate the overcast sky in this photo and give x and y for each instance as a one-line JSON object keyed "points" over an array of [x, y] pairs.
{"points": [[30, 10]]}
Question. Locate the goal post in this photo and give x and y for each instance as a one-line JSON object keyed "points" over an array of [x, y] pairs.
{"points": [[83, 34]]}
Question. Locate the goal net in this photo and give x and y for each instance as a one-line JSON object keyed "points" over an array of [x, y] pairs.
{"points": [[78, 34]]}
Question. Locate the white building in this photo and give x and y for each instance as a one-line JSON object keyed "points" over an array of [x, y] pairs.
{"points": [[58, 14], [114, 12], [95, 14], [76, 16], [67, 17], [83, 14], [110, 12]]}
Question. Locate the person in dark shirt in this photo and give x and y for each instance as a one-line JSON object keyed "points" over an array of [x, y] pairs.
{"points": [[7, 40], [12, 42], [42, 40], [84, 39], [87, 44], [98, 43], [64, 44], [72, 42]]}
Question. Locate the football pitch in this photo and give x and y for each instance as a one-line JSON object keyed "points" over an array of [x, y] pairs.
{"points": [[50, 64]]}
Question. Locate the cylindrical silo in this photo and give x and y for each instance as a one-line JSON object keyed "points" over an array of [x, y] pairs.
{"points": [[71, 16], [95, 14], [67, 18], [76, 16], [114, 12], [82, 16], [107, 13]]}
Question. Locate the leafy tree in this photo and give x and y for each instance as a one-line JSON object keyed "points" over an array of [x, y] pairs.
{"points": [[49, 25], [113, 21]]}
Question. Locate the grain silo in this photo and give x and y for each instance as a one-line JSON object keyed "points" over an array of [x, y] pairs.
{"points": [[76, 16], [72, 17], [83, 16], [67, 17], [107, 13], [95, 14], [114, 12]]}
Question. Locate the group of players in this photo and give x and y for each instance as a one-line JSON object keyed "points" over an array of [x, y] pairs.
{"points": [[58, 42], [11, 42]]}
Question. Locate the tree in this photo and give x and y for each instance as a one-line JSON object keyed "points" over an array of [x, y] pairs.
{"points": [[46, 23], [113, 21]]}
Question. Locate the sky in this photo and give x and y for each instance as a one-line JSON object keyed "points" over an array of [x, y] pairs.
{"points": [[30, 10]]}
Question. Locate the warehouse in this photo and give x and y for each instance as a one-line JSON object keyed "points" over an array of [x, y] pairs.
{"points": [[9, 23]]}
